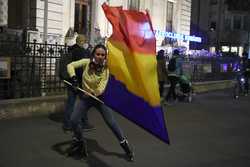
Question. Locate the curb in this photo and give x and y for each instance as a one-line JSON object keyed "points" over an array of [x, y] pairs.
{"points": [[36, 106], [26, 107], [202, 87]]}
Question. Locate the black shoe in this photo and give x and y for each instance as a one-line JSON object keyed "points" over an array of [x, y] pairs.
{"points": [[78, 149], [127, 149], [87, 127]]}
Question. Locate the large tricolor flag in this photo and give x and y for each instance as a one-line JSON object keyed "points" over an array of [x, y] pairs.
{"points": [[133, 88]]}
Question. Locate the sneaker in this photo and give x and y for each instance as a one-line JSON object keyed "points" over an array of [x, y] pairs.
{"points": [[87, 127]]}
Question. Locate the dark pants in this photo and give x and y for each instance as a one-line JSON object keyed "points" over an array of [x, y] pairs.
{"points": [[171, 92], [70, 103], [161, 87], [246, 84], [83, 106], [246, 77]]}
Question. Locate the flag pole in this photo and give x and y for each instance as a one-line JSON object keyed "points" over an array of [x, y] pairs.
{"points": [[85, 92]]}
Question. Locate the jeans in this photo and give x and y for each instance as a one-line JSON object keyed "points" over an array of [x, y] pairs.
{"points": [[70, 103], [82, 106]]}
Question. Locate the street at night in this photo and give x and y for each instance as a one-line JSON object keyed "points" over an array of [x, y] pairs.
{"points": [[212, 131], [175, 72]]}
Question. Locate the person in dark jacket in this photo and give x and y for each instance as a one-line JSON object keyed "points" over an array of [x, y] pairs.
{"points": [[174, 74], [161, 70], [78, 51]]}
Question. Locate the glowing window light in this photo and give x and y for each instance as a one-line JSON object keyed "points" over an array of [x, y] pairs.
{"points": [[241, 49], [234, 49], [212, 49], [225, 48]]}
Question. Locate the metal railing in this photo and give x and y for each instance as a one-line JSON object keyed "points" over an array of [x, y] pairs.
{"points": [[211, 68], [34, 68]]}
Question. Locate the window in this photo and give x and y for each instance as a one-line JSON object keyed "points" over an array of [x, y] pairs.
{"points": [[237, 22], [81, 13], [247, 23], [234, 49], [212, 49], [241, 49], [227, 23], [234, 5], [134, 4], [225, 48], [169, 24]]}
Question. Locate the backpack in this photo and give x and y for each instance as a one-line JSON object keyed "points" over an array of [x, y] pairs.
{"points": [[172, 65], [64, 60]]}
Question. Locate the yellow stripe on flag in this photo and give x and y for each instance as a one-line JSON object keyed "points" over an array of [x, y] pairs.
{"points": [[137, 71]]}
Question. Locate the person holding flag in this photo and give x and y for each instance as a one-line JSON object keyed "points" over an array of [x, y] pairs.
{"points": [[94, 81]]}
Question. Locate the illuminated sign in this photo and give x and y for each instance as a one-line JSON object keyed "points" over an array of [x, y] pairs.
{"points": [[177, 36]]}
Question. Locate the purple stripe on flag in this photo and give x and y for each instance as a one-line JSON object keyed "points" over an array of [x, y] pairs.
{"points": [[135, 109]]}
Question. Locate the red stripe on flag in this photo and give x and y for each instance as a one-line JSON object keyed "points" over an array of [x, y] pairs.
{"points": [[133, 28]]}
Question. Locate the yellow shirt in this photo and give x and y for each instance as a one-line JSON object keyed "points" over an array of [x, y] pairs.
{"points": [[92, 82]]}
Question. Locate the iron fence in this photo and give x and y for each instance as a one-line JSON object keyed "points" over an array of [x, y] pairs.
{"points": [[34, 68], [211, 68]]}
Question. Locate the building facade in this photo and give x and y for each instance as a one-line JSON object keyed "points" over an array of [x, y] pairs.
{"points": [[167, 15], [58, 20], [223, 24]]}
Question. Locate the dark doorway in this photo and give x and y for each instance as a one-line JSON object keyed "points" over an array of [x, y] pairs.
{"points": [[81, 16]]}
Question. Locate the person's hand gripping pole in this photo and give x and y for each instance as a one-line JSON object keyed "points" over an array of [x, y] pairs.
{"points": [[85, 92]]}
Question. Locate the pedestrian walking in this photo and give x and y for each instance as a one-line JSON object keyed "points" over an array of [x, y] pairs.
{"points": [[77, 52], [174, 72]]}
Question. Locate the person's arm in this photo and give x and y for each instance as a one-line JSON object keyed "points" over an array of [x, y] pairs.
{"points": [[76, 64], [103, 83]]}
